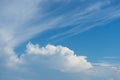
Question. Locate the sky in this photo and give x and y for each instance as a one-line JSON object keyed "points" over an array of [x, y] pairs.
{"points": [[59, 40]]}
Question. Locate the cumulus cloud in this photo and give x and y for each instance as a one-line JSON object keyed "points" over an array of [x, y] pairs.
{"points": [[60, 57], [55, 62], [38, 62]]}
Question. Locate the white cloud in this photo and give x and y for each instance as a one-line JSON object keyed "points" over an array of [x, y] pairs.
{"points": [[39, 62], [59, 57]]}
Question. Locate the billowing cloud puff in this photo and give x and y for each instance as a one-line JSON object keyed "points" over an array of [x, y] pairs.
{"points": [[38, 62], [58, 57]]}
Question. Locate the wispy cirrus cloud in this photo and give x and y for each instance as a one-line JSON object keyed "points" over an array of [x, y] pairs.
{"points": [[22, 20], [97, 14]]}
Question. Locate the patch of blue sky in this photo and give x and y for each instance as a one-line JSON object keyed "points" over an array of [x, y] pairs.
{"points": [[102, 39]]}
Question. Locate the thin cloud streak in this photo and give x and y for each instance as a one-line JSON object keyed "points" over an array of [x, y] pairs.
{"points": [[90, 18]]}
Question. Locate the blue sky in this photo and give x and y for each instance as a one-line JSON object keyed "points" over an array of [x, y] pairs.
{"points": [[59, 40]]}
